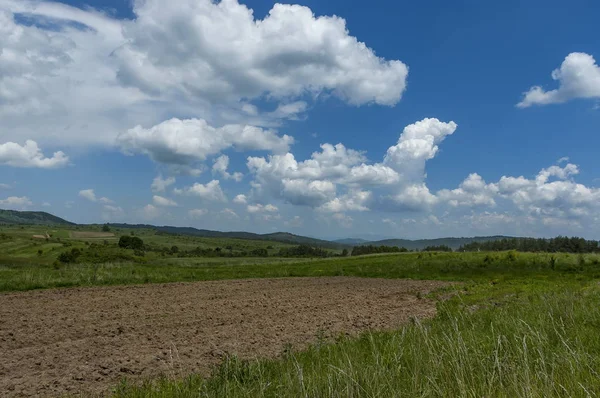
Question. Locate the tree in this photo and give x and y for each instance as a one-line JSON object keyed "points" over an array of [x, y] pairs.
{"points": [[131, 242], [345, 253], [105, 228], [174, 249]]}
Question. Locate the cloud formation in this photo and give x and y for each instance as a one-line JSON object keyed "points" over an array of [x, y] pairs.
{"points": [[175, 60], [162, 201], [90, 195], [16, 202], [184, 142], [577, 77], [211, 191], [30, 155]]}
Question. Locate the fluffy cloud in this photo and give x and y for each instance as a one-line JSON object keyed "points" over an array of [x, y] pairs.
{"points": [[16, 202], [182, 142], [30, 155], [174, 60], [288, 53], [353, 201], [264, 212], [90, 195], [578, 77], [162, 201], [160, 184], [314, 182], [5, 186], [220, 167], [414, 197], [473, 191], [558, 197], [211, 191], [240, 199], [417, 144], [197, 213]]}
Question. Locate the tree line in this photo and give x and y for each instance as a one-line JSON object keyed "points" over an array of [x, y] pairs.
{"points": [[561, 244]]}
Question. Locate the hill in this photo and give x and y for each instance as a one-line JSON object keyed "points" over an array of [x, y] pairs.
{"points": [[31, 217], [282, 237], [420, 244], [353, 241]]}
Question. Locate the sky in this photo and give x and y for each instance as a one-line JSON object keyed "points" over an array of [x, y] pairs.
{"points": [[328, 119]]}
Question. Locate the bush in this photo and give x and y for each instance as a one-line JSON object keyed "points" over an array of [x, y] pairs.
{"points": [[69, 256], [131, 242], [260, 252], [303, 251], [371, 249]]}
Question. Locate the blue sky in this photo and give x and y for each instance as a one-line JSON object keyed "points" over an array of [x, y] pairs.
{"points": [[442, 129]]}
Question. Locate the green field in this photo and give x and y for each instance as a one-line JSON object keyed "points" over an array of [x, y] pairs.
{"points": [[517, 324]]}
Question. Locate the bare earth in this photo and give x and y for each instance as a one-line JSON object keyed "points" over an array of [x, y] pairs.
{"points": [[67, 341]]}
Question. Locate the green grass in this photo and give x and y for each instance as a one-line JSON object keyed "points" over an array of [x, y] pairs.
{"points": [[511, 271], [543, 344], [518, 325]]}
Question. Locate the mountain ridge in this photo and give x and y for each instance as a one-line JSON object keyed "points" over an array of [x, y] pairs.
{"points": [[44, 218], [31, 218]]}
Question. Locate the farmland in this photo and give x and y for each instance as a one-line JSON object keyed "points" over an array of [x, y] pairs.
{"points": [[508, 324]]}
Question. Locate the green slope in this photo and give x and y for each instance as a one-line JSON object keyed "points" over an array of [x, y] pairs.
{"points": [[31, 217], [282, 237], [420, 244]]}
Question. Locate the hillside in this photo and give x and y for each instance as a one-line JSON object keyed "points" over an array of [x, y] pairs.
{"points": [[282, 237], [31, 217], [420, 244], [353, 241]]}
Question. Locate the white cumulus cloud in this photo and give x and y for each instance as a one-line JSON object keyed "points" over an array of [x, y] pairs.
{"points": [[30, 155], [182, 142], [160, 184], [577, 77], [162, 201], [199, 58], [220, 167], [16, 202], [211, 191], [90, 195]]}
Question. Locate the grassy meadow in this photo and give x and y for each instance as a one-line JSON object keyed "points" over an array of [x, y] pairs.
{"points": [[516, 324]]}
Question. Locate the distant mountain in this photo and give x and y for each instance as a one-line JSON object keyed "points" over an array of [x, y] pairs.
{"points": [[420, 244], [352, 241], [282, 237], [31, 217]]}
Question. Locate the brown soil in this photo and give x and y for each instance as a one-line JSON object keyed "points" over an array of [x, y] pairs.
{"points": [[65, 341], [85, 234]]}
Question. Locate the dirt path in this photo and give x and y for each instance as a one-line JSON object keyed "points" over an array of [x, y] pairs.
{"points": [[61, 341]]}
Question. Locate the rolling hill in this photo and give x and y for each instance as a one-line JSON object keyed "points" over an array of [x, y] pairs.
{"points": [[31, 217], [420, 244], [283, 237], [43, 218]]}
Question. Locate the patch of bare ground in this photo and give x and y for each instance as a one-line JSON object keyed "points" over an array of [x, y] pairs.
{"points": [[84, 340]]}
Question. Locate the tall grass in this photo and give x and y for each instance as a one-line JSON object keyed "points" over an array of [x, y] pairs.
{"points": [[20, 274], [543, 344]]}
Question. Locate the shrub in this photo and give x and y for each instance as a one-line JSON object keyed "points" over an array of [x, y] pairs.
{"points": [[131, 242], [69, 256]]}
